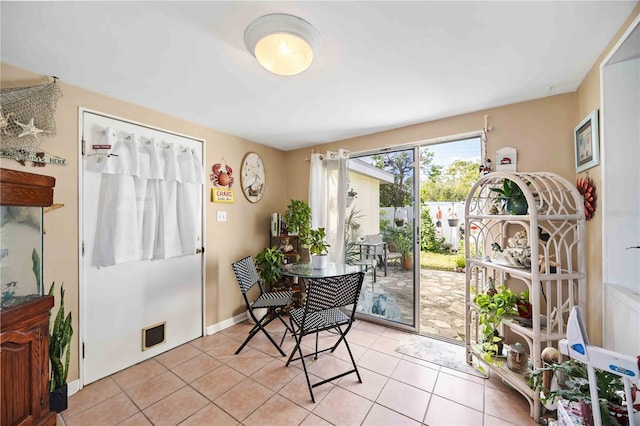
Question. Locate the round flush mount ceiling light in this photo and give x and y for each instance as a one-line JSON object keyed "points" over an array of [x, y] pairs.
{"points": [[283, 44]]}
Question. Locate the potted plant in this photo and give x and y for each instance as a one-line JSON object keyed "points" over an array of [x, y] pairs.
{"points": [[573, 383], [268, 262], [511, 197], [523, 305], [492, 308], [297, 219], [318, 248], [59, 355], [403, 243], [351, 195]]}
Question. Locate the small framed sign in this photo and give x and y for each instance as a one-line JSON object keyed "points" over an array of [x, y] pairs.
{"points": [[586, 142], [222, 195]]}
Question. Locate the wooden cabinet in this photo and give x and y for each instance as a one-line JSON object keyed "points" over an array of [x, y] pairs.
{"points": [[24, 354], [24, 309], [554, 271]]}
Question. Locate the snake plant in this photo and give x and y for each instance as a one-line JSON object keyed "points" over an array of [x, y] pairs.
{"points": [[59, 344]]}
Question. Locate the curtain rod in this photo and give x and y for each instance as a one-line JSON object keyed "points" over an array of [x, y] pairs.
{"points": [[481, 133]]}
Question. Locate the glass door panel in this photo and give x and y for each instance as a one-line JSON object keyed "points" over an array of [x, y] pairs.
{"points": [[381, 229]]}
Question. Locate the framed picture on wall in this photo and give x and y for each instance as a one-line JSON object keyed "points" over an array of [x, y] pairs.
{"points": [[586, 142], [252, 177]]}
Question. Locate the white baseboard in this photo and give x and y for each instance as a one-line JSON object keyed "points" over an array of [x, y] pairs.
{"points": [[214, 328], [73, 387]]}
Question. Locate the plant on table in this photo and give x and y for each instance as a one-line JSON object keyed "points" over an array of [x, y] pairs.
{"points": [[317, 242]]}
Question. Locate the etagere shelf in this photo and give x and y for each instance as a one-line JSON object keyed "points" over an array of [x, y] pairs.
{"points": [[554, 274]]}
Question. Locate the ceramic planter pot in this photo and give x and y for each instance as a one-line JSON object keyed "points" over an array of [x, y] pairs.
{"points": [[517, 205], [320, 261]]}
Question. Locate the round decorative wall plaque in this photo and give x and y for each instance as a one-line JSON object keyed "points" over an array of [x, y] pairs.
{"points": [[252, 177]]}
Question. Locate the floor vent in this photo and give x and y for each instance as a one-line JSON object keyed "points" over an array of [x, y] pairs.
{"points": [[153, 335]]}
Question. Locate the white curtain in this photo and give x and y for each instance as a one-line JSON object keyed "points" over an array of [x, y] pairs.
{"points": [[149, 197], [328, 180]]}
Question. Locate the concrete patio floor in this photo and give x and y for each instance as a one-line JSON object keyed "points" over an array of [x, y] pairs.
{"points": [[441, 299]]}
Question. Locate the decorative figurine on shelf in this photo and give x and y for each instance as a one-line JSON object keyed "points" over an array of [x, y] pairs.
{"points": [[517, 253]]}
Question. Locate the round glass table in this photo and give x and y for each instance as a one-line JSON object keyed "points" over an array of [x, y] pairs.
{"points": [[306, 270]]}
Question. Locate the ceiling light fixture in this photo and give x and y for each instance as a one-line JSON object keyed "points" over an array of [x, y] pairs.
{"points": [[283, 44]]}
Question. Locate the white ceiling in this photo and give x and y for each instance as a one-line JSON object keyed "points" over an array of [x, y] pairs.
{"points": [[382, 65]]}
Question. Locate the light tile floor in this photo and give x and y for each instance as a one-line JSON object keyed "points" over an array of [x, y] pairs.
{"points": [[204, 383]]}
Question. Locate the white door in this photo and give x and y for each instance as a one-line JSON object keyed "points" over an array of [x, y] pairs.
{"points": [[620, 79], [118, 302]]}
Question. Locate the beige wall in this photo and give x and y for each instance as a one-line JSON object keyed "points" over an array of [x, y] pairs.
{"points": [[588, 99], [245, 232], [541, 130]]}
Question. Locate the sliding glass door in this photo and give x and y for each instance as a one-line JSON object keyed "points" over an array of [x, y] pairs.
{"points": [[381, 234]]}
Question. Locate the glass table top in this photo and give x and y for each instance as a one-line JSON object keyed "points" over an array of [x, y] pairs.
{"points": [[306, 270]]}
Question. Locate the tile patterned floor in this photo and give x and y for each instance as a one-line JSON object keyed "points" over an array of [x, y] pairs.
{"points": [[204, 383]]}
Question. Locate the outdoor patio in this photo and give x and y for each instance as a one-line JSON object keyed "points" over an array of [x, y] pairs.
{"points": [[441, 299]]}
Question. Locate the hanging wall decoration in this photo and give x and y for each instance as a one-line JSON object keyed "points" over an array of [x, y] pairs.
{"points": [[222, 179], [506, 159], [252, 177], [486, 167], [587, 188], [27, 114]]}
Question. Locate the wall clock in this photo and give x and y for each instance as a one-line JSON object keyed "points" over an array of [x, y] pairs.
{"points": [[252, 177]]}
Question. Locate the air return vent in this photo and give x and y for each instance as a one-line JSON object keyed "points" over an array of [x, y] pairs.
{"points": [[153, 335]]}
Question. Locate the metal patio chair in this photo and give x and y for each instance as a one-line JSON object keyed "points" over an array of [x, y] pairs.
{"points": [[330, 305], [274, 302]]}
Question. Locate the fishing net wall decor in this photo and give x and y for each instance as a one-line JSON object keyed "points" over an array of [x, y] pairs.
{"points": [[26, 114]]}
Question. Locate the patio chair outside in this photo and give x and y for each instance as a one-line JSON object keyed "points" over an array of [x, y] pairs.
{"points": [[274, 302], [330, 305], [391, 256]]}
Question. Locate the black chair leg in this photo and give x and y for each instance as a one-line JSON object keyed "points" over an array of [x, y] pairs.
{"points": [[298, 349], [260, 326]]}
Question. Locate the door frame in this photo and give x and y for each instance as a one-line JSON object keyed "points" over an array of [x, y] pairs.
{"points": [[416, 146], [81, 272], [607, 340]]}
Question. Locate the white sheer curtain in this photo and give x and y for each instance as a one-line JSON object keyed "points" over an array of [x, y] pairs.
{"points": [[149, 197], [328, 180]]}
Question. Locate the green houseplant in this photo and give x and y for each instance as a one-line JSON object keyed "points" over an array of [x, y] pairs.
{"points": [[401, 240], [492, 308], [268, 262], [574, 380], [318, 248], [511, 197], [297, 219], [59, 354]]}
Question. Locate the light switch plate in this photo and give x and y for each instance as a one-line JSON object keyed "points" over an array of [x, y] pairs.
{"points": [[222, 216]]}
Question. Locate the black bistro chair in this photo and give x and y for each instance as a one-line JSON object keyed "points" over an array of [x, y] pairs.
{"points": [[330, 305], [274, 302]]}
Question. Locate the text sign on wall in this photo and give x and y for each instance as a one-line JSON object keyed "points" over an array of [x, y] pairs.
{"points": [[222, 195]]}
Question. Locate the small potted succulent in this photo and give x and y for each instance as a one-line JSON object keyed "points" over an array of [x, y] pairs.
{"points": [[318, 248]]}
